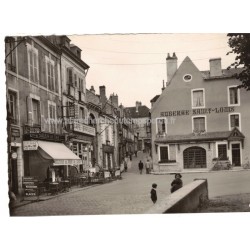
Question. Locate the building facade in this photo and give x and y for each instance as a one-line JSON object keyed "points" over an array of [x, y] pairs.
{"points": [[200, 116]]}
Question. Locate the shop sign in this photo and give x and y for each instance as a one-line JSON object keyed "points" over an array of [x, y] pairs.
{"points": [[14, 155], [67, 162], [106, 174], [30, 185], [83, 128], [117, 172], [198, 111], [30, 145], [32, 130]]}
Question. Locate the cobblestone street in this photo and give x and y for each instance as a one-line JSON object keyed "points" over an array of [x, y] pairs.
{"points": [[131, 194]]}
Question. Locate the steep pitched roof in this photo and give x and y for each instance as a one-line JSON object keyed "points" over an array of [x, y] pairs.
{"points": [[143, 111], [155, 98]]}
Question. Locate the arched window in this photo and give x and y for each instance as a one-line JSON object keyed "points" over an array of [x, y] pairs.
{"points": [[194, 157]]}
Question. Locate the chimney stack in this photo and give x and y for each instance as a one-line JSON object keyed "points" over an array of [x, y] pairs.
{"points": [[171, 66], [114, 100], [103, 97], [92, 89], [215, 67], [137, 105]]}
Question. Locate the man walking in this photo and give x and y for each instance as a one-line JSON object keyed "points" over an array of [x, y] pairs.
{"points": [[140, 166], [147, 166]]}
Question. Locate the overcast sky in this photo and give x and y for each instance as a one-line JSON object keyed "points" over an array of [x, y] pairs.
{"points": [[134, 66]]}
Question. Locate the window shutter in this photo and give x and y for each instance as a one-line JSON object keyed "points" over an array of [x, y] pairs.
{"points": [[31, 76], [35, 67], [42, 117], [29, 110]]}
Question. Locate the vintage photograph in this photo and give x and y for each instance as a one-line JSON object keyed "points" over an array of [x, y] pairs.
{"points": [[128, 123]]}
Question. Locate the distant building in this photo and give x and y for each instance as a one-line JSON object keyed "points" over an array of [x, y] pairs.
{"points": [[141, 115], [200, 116]]}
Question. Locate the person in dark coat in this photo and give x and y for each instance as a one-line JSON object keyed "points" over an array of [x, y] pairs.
{"points": [[153, 193], [140, 166], [176, 183]]}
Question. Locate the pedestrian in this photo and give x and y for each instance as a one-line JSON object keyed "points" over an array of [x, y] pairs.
{"points": [[135, 153], [147, 165], [176, 183], [140, 166], [153, 193], [125, 166]]}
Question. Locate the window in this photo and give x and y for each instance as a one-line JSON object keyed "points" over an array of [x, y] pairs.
{"points": [[52, 118], [222, 151], [198, 99], [70, 76], [75, 80], [35, 112], [12, 107], [11, 52], [33, 64], [199, 124], [234, 96], [161, 126], [50, 74], [163, 154], [187, 78], [81, 114], [234, 121], [107, 133]]}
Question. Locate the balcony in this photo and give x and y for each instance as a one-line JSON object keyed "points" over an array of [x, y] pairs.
{"points": [[83, 128]]}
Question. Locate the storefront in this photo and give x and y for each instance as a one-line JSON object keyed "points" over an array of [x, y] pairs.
{"points": [[108, 157], [45, 155]]}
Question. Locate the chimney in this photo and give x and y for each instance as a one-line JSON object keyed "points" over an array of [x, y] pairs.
{"points": [[215, 67], [103, 97], [137, 105], [92, 89], [163, 86], [171, 66], [114, 100]]}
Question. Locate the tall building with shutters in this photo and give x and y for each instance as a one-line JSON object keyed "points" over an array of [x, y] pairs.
{"points": [[199, 118], [33, 84]]}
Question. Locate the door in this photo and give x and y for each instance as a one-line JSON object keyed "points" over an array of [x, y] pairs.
{"points": [[236, 161], [109, 161], [194, 157]]}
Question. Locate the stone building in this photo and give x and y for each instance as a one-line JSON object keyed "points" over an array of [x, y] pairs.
{"points": [[200, 116]]}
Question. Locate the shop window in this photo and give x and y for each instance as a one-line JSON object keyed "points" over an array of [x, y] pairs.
{"points": [[233, 96], [199, 124], [35, 112], [12, 107], [198, 98], [33, 64], [161, 126], [222, 151], [164, 154]]}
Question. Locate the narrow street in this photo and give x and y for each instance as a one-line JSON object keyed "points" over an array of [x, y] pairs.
{"points": [[131, 194]]}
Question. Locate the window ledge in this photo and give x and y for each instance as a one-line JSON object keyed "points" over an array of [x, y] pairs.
{"points": [[168, 164]]}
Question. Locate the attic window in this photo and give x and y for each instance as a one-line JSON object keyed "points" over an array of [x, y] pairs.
{"points": [[187, 78]]}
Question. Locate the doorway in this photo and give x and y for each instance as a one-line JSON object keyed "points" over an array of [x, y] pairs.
{"points": [[236, 156]]}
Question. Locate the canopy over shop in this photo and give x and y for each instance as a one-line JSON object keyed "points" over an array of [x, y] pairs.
{"points": [[49, 160]]}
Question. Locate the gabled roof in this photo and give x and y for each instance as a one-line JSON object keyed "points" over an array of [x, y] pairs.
{"points": [[143, 111], [155, 98]]}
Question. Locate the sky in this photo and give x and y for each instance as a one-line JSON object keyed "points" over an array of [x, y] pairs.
{"points": [[133, 66]]}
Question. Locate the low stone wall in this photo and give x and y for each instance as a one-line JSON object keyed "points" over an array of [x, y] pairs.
{"points": [[185, 200]]}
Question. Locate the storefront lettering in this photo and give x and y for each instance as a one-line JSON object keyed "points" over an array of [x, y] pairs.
{"points": [[198, 111]]}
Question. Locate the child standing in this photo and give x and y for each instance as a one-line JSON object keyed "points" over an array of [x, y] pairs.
{"points": [[153, 193]]}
